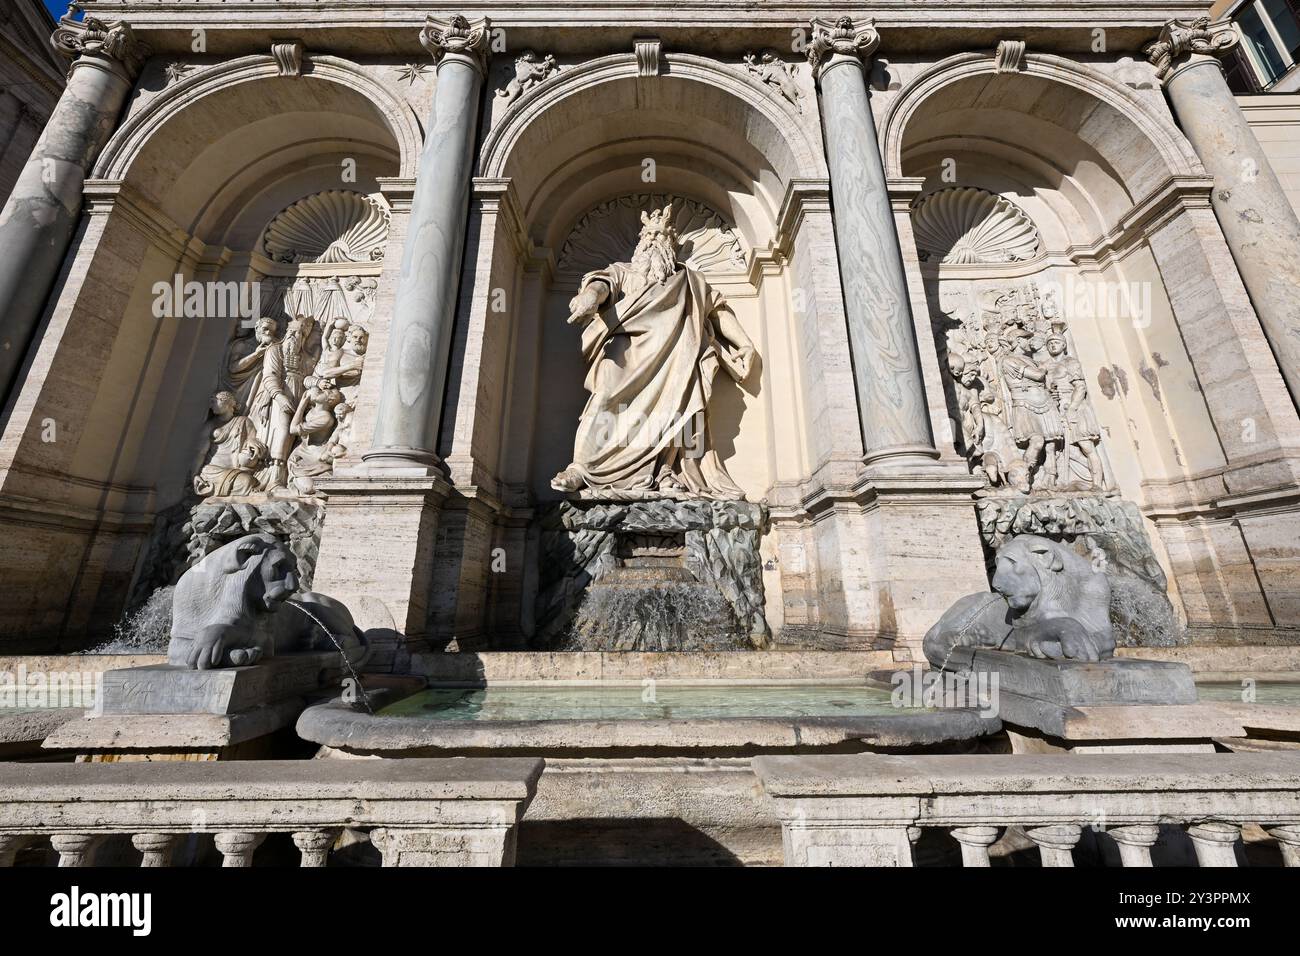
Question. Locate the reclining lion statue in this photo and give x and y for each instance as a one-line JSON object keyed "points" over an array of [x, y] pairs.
{"points": [[229, 610], [1047, 601]]}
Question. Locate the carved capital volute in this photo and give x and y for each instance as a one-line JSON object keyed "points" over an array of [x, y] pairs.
{"points": [[840, 42], [457, 37], [94, 39], [1181, 40]]}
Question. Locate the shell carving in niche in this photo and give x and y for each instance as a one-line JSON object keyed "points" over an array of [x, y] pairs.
{"points": [[335, 226], [609, 233], [968, 226]]}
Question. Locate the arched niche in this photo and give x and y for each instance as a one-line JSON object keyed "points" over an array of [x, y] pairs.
{"points": [[206, 165], [702, 133], [1076, 153]]}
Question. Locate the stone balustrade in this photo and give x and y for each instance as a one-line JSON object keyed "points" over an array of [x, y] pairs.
{"points": [[453, 812], [871, 809]]}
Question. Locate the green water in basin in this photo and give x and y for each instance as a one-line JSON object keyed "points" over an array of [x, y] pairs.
{"points": [[530, 703], [1275, 693]]}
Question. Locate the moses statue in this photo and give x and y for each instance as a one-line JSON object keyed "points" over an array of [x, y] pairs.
{"points": [[653, 335]]}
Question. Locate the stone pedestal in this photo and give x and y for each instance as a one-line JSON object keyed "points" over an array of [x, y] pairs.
{"points": [[165, 707], [1116, 705], [377, 550]]}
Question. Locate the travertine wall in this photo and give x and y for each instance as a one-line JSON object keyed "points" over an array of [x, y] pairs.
{"points": [[1275, 120]]}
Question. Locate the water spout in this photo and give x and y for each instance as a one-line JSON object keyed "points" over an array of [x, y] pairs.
{"points": [[347, 663]]}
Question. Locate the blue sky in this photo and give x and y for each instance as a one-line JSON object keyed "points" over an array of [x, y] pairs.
{"points": [[57, 8]]}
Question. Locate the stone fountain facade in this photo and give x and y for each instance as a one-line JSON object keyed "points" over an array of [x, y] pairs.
{"points": [[317, 286]]}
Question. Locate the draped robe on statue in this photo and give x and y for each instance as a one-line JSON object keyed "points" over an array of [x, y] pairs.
{"points": [[651, 362]]}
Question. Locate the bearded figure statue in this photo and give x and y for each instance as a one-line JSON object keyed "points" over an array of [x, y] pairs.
{"points": [[654, 334]]}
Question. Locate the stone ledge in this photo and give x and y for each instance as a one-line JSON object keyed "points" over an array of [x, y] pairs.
{"points": [[1011, 778], [337, 726]]}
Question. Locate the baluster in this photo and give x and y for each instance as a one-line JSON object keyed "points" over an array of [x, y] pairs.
{"points": [[1215, 842], [10, 844], [314, 845], [74, 849], [975, 843], [237, 847], [1056, 843], [1288, 841], [155, 847], [1135, 843]]}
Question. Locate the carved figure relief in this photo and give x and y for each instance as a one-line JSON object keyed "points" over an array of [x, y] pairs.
{"points": [[772, 70], [654, 335], [280, 416], [1027, 422], [529, 72]]}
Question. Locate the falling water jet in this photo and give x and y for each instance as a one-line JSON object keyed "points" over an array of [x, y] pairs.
{"points": [[365, 698]]}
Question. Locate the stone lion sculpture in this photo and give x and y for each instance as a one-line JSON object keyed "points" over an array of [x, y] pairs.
{"points": [[230, 609], [1047, 602]]}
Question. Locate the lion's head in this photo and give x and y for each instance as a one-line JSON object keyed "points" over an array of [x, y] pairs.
{"points": [[1043, 579], [234, 584]]}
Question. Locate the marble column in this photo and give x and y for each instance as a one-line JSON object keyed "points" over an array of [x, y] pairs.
{"points": [[1258, 221], [419, 344], [40, 216], [886, 367]]}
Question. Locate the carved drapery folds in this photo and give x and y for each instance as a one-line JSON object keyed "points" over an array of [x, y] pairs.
{"points": [[281, 414], [1182, 38], [1026, 418]]}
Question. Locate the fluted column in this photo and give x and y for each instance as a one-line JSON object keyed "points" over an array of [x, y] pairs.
{"points": [[882, 339], [1258, 221], [40, 216], [419, 346]]}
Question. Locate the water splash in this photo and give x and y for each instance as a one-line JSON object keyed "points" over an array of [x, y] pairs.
{"points": [[146, 630], [629, 611], [347, 663]]}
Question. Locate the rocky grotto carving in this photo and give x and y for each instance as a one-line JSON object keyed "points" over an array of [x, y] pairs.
{"points": [[281, 415], [1046, 602], [654, 334], [696, 564], [241, 604]]}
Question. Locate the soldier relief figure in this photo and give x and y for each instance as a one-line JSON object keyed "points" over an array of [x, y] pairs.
{"points": [[654, 335], [1027, 422]]}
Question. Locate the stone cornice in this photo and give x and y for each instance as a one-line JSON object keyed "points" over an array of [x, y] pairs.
{"points": [[105, 196], [348, 27], [498, 195], [801, 195]]}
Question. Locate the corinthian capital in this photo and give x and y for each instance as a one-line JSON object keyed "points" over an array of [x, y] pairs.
{"points": [[93, 37], [1181, 38], [840, 38], [457, 36]]}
